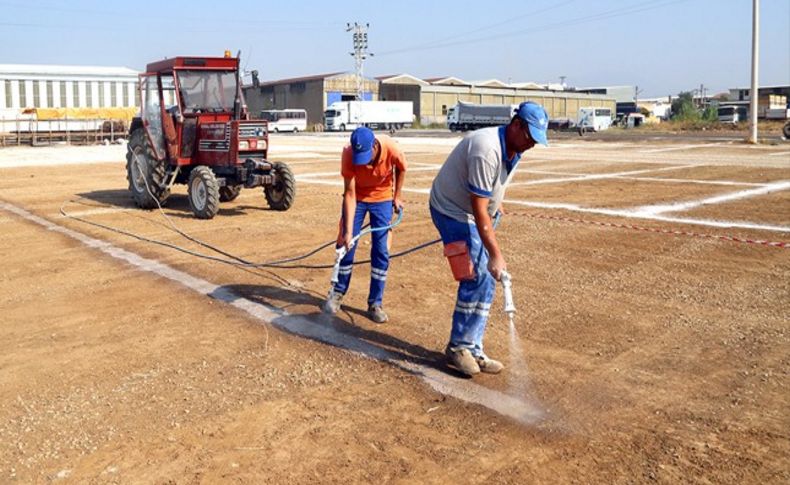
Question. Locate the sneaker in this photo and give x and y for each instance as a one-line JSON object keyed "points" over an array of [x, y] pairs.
{"points": [[377, 314], [488, 365], [333, 302], [462, 360]]}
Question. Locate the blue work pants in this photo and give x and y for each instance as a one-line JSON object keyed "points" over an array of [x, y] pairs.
{"points": [[475, 295], [380, 216]]}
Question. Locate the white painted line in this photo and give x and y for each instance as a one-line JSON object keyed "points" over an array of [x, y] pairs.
{"points": [[683, 147], [779, 154], [274, 155], [337, 172], [684, 206], [651, 179], [599, 176], [521, 409], [630, 214]]}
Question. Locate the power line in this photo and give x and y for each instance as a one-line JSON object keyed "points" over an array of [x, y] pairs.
{"points": [[619, 12]]}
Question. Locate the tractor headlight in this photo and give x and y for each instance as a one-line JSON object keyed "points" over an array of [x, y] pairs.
{"points": [[244, 145], [261, 144]]}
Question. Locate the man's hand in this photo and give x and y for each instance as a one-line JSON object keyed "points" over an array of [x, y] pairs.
{"points": [[397, 204], [496, 265], [347, 241]]}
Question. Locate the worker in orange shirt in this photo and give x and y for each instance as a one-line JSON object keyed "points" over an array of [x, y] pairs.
{"points": [[373, 169]]}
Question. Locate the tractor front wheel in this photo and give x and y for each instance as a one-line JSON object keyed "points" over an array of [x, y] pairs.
{"points": [[203, 192], [281, 194], [229, 193], [147, 176]]}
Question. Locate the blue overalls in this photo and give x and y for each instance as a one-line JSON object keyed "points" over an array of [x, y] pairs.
{"points": [[473, 302]]}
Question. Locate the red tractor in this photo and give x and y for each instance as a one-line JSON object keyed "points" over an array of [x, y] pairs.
{"points": [[194, 129]]}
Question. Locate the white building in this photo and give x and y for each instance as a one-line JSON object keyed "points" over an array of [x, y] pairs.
{"points": [[47, 86]]}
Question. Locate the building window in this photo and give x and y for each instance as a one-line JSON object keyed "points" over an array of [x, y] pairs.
{"points": [[113, 95], [444, 109], [63, 95], [50, 95], [8, 95], [22, 94], [36, 94]]}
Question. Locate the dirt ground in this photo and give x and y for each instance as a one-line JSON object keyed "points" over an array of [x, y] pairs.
{"points": [[652, 357]]}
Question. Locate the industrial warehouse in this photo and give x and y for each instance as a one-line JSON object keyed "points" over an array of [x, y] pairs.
{"points": [[530, 242]]}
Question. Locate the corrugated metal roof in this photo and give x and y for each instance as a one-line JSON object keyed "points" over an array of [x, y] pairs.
{"points": [[314, 77]]}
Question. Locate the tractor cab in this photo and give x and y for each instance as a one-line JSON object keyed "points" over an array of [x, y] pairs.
{"points": [[194, 128]]}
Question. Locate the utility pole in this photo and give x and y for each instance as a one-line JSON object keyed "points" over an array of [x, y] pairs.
{"points": [[360, 52], [755, 61]]}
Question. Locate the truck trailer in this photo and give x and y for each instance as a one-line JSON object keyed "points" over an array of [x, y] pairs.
{"points": [[349, 115], [468, 116]]}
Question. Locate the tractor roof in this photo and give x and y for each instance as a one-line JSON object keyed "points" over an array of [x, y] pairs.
{"points": [[194, 63]]}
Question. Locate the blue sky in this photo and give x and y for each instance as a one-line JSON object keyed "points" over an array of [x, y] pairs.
{"points": [[663, 46]]}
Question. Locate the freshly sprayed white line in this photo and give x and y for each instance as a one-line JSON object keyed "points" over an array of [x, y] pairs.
{"points": [[683, 206], [683, 147], [631, 214], [779, 154], [523, 410]]}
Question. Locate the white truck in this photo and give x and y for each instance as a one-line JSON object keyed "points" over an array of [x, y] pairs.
{"points": [[469, 116], [349, 115]]}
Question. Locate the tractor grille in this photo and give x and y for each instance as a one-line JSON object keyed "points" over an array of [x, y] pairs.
{"points": [[252, 130]]}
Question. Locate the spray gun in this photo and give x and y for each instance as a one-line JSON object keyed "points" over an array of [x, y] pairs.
{"points": [[340, 253], [507, 287]]}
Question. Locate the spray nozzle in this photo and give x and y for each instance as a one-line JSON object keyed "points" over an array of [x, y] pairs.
{"points": [[507, 287]]}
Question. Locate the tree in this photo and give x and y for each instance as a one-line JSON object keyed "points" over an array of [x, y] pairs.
{"points": [[683, 108]]}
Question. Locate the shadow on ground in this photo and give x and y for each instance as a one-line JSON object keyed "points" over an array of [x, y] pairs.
{"points": [[356, 326]]}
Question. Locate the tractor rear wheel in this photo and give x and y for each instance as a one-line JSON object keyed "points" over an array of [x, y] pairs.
{"points": [[229, 192], [203, 192], [147, 176], [786, 131], [280, 195]]}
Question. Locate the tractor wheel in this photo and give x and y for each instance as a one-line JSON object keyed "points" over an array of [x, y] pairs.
{"points": [[203, 192], [147, 176], [786, 130], [229, 193], [280, 196]]}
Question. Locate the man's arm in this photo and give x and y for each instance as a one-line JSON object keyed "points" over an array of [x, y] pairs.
{"points": [[349, 206], [496, 262], [400, 176]]}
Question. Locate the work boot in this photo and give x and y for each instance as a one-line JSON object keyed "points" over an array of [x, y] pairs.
{"points": [[333, 302], [488, 365], [462, 360], [377, 314]]}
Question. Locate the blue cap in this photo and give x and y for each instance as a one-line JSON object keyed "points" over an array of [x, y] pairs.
{"points": [[537, 120], [362, 145]]}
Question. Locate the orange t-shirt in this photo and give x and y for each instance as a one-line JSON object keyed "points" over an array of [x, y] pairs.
{"points": [[374, 183]]}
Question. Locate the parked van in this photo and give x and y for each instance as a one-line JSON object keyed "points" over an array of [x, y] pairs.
{"points": [[288, 120]]}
